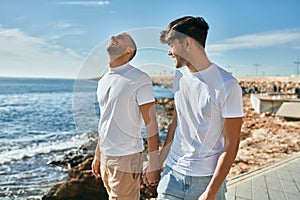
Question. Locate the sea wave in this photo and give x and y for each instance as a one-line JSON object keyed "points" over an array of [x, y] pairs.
{"points": [[26, 147]]}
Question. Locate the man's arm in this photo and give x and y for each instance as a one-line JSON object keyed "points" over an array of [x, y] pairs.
{"points": [[231, 131], [149, 116], [169, 139]]}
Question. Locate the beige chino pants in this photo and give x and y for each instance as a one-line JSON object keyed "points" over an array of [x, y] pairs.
{"points": [[121, 176]]}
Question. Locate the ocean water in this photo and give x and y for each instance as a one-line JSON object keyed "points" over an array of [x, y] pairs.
{"points": [[42, 120]]}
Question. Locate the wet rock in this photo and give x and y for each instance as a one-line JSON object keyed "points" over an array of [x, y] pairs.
{"points": [[68, 162], [90, 146]]}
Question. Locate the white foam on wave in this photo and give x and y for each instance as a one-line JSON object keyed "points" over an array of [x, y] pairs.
{"points": [[19, 152]]}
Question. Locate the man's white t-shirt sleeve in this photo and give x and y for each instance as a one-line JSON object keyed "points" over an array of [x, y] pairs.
{"points": [[144, 93], [233, 104]]}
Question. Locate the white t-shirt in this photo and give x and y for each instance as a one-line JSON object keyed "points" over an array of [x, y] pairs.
{"points": [[120, 92], [203, 99]]}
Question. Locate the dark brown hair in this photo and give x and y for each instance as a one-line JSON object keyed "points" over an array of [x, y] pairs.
{"points": [[194, 27]]}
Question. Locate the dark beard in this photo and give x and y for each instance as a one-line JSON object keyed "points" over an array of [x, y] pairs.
{"points": [[180, 61], [111, 49], [115, 51]]}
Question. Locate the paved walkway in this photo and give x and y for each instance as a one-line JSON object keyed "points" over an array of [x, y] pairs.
{"points": [[279, 181]]}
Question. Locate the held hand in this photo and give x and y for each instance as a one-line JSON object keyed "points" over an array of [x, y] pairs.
{"points": [[205, 196], [151, 178], [96, 168]]}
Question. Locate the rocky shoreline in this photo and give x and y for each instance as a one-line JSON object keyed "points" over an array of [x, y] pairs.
{"points": [[265, 139], [81, 184]]}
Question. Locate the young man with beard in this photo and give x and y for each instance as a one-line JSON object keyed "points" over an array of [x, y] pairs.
{"points": [[125, 97], [203, 138]]}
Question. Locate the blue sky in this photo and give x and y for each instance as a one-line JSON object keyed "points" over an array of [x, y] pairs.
{"points": [[60, 38]]}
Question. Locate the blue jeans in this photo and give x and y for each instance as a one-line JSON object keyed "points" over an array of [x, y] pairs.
{"points": [[176, 186]]}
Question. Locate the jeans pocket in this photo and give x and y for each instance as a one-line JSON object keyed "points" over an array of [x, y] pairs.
{"points": [[170, 184]]}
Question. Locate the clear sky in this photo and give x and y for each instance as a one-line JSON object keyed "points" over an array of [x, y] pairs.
{"points": [[61, 38]]}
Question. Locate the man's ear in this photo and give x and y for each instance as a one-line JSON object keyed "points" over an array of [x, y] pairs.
{"points": [[129, 49], [188, 43]]}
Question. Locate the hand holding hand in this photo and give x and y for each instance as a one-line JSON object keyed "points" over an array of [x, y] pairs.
{"points": [[151, 178], [205, 196]]}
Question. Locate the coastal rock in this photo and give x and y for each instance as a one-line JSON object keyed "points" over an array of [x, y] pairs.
{"points": [[68, 161], [72, 159], [265, 139], [81, 185], [90, 146]]}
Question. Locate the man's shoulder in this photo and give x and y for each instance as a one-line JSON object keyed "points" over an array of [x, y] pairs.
{"points": [[137, 70], [225, 75], [138, 73]]}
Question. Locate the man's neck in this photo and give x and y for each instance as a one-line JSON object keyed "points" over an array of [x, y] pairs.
{"points": [[198, 61], [199, 65], [118, 61]]}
